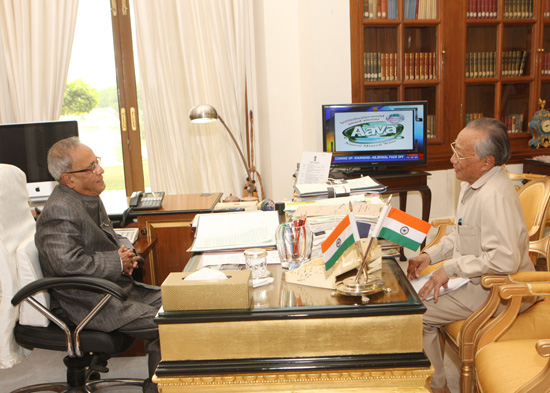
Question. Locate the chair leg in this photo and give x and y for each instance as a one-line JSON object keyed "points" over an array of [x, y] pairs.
{"points": [[466, 377]]}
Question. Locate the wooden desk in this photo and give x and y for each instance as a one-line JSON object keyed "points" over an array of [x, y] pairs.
{"points": [[299, 339], [171, 227], [536, 166]]}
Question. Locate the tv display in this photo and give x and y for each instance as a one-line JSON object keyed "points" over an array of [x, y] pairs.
{"points": [[373, 136], [26, 146]]}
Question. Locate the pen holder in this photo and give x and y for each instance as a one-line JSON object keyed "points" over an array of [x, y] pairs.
{"points": [[294, 243]]}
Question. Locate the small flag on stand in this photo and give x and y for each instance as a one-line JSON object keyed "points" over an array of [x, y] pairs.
{"points": [[341, 238], [401, 228]]}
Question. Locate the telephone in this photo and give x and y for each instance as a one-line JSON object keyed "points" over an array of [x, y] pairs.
{"points": [[140, 200], [146, 201]]}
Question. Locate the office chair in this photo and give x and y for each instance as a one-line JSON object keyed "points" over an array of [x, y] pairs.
{"points": [[87, 350]]}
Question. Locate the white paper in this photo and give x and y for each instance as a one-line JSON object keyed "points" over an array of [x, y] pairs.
{"points": [[314, 167], [453, 283], [225, 231]]}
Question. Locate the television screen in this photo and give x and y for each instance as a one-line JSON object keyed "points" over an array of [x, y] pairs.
{"points": [[376, 135], [26, 145]]}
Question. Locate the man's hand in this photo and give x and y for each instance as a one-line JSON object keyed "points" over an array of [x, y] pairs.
{"points": [[129, 260], [417, 264], [437, 280]]}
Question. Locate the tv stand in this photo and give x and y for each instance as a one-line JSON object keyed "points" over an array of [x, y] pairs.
{"points": [[397, 182]]}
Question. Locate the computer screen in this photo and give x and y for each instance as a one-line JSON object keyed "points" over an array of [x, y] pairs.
{"points": [[26, 146], [376, 135]]}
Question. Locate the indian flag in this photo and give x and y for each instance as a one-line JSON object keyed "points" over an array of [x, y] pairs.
{"points": [[402, 228], [340, 239]]}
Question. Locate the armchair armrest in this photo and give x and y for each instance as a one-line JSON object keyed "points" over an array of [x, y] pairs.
{"points": [[514, 293], [441, 225], [95, 284]]}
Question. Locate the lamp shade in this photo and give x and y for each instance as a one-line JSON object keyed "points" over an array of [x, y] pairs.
{"points": [[203, 114]]}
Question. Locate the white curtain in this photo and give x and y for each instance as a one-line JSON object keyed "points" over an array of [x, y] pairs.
{"points": [[35, 49], [195, 52], [36, 41]]}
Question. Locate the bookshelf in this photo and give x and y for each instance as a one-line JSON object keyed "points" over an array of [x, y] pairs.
{"points": [[467, 58]]}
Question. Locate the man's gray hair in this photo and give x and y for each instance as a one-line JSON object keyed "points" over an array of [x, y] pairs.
{"points": [[59, 156], [496, 142]]}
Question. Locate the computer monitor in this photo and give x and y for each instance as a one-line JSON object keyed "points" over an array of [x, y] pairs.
{"points": [[26, 146], [375, 136]]}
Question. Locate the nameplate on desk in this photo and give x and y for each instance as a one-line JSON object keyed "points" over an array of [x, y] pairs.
{"points": [[226, 231]]}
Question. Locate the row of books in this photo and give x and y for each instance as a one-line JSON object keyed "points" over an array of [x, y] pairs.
{"points": [[420, 65], [513, 62], [546, 64], [383, 66], [430, 125], [513, 9], [380, 66], [482, 9], [482, 64], [412, 9], [513, 123], [473, 116], [518, 9], [380, 9]]}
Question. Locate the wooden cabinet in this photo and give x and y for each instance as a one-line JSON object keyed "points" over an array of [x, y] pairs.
{"points": [[170, 228], [490, 60]]}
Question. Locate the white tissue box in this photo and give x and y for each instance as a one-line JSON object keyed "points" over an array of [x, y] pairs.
{"points": [[180, 295]]}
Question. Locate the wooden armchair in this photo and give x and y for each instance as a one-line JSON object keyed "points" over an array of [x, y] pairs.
{"points": [[512, 346], [461, 335], [535, 200]]}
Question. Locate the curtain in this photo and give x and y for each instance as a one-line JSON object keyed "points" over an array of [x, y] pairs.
{"points": [[35, 46], [36, 40], [189, 53]]}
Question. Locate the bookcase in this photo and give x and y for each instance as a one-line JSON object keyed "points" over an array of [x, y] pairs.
{"points": [[467, 58]]}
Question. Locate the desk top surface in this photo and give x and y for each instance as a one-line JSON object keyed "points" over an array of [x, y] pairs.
{"points": [[280, 300]]}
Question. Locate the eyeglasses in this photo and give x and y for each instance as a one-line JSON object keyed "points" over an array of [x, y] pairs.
{"points": [[92, 168], [456, 154]]}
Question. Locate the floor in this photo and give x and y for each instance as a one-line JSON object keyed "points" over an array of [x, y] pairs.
{"points": [[47, 366]]}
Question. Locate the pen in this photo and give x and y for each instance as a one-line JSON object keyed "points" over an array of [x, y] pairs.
{"points": [[460, 221]]}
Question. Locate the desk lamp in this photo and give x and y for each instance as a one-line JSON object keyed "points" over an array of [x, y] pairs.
{"points": [[208, 114]]}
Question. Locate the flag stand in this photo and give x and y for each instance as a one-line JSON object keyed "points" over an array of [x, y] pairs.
{"points": [[361, 285]]}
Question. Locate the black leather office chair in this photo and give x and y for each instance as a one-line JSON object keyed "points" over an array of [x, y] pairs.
{"points": [[87, 350], [33, 324]]}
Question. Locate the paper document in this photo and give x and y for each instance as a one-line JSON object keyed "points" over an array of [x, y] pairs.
{"points": [[225, 231], [454, 283], [361, 184], [234, 258], [314, 167], [129, 233]]}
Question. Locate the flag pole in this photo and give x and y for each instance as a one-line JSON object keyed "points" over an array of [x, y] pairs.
{"points": [[358, 285]]}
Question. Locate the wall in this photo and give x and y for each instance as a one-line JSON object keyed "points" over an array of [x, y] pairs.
{"points": [[303, 61]]}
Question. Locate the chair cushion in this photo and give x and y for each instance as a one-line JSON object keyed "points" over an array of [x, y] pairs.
{"points": [[53, 338], [504, 366], [28, 270], [453, 330], [533, 323]]}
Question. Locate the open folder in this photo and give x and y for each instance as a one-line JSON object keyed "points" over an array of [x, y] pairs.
{"points": [[226, 231]]}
